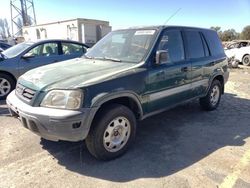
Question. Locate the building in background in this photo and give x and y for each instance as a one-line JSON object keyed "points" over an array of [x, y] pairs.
{"points": [[83, 30]]}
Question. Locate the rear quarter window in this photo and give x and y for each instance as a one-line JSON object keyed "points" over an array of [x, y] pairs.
{"points": [[214, 43]]}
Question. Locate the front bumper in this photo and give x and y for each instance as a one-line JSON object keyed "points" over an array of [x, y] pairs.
{"points": [[52, 124]]}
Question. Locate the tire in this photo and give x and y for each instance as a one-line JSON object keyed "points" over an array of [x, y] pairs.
{"points": [[212, 99], [246, 60], [7, 84], [115, 123]]}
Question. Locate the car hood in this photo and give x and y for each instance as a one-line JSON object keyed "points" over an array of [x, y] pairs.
{"points": [[74, 73]]}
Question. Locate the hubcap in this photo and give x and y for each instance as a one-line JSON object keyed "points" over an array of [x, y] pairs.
{"points": [[246, 60], [116, 134], [4, 87], [215, 95]]}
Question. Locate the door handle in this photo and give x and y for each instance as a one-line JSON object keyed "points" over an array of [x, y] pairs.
{"points": [[184, 69]]}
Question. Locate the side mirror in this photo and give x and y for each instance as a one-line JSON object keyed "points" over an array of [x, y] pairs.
{"points": [[28, 56], [161, 57]]}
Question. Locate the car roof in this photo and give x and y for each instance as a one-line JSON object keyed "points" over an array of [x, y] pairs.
{"points": [[160, 27], [54, 40]]}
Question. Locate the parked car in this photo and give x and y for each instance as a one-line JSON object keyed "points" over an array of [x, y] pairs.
{"points": [[127, 76], [28, 55], [240, 51], [4, 46], [243, 55], [237, 44]]}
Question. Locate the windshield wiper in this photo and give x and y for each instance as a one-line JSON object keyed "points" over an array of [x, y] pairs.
{"points": [[112, 59], [105, 58], [88, 57]]}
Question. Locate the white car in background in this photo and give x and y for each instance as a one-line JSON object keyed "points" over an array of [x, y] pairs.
{"points": [[239, 52], [243, 55]]}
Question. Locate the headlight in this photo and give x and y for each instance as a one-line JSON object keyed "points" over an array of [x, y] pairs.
{"points": [[65, 99]]}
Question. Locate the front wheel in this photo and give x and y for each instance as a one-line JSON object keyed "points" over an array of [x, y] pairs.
{"points": [[212, 99], [7, 84], [112, 132], [246, 60]]}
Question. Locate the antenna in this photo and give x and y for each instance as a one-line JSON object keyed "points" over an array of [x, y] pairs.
{"points": [[172, 16]]}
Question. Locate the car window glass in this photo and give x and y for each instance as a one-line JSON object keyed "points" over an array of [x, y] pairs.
{"points": [[70, 48], [17, 49], [50, 49], [172, 42], [214, 42], [205, 46], [243, 44], [194, 44], [36, 51], [47, 49]]}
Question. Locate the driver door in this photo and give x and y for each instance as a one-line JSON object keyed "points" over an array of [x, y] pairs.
{"points": [[169, 83], [42, 54]]}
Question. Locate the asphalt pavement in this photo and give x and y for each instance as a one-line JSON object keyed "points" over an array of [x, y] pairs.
{"points": [[182, 147]]}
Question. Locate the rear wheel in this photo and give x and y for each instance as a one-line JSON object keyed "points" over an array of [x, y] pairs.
{"points": [[7, 84], [112, 132], [246, 60], [212, 99]]}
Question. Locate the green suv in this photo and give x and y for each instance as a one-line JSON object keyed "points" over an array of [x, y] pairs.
{"points": [[127, 76]]}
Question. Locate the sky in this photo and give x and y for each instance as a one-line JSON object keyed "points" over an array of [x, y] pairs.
{"points": [[127, 13]]}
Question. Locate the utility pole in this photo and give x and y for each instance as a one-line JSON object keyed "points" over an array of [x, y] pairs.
{"points": [[22, 14]]}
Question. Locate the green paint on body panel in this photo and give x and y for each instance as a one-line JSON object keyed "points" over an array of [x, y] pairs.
{"points": [[71, 74]]}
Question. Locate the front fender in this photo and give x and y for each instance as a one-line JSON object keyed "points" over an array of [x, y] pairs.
{"points": [[102, 98]]}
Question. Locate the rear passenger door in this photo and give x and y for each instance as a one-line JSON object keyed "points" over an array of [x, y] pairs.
{"points": [[169, 83], [198, 55]]}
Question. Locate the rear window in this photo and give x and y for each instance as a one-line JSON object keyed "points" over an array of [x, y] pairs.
{"points": [[214, 42]]}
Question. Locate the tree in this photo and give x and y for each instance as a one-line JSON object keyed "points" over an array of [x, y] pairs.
{"points": [[229, 35], [245, 34], [4, 28], [226, 35]]}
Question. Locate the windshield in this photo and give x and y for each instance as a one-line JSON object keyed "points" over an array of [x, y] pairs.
{"points": [[16, 50], [126, 45]]}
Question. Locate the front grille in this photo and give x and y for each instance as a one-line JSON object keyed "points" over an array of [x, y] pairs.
{"points": [[24, 92]]}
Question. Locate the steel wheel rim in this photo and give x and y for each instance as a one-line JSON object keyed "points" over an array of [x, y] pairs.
{"points": [[215, 95], [246, 60], [116, 134], [4, 87]]}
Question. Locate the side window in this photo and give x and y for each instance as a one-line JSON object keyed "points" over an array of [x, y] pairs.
{"points": [[243, 44], [36, 51], [206, 50], [214, 42], [172, 42], [71, 48], [46, 49], [194, 44], [50, 49]]}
